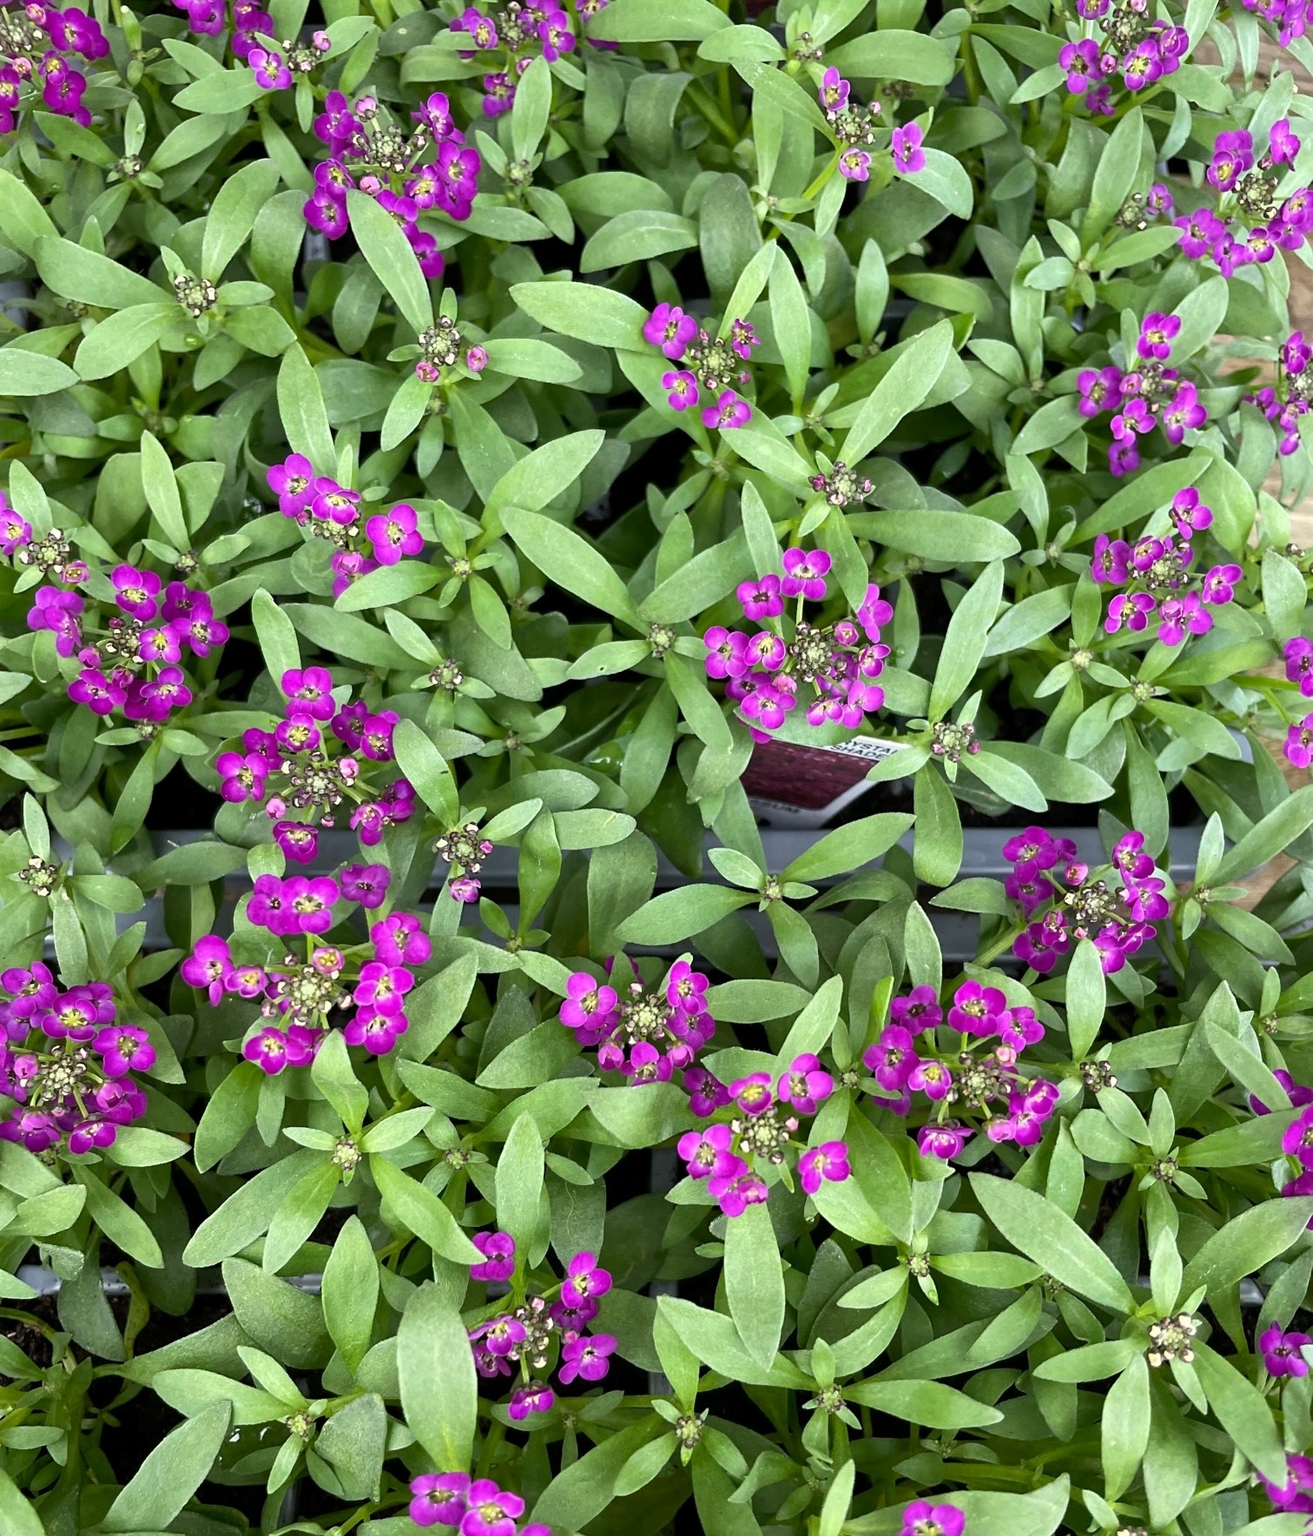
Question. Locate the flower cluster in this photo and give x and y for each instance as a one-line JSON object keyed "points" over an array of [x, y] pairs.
{"points": [[1160, 585], [1046, 874], [65, 1061], [766, 1117], [465, 851], [902, 1065], [1142, 51], [514, 36], [303, 993], [524, 1335], [710, 365], [314, 759], [35, 42], [648, 1033], [129, 646], [1148, 394], [441, 346], [840, 661], [1252, 218], [1284, 403], [432, 167], [1290, 17], [1298, 745], [471, 1506]]}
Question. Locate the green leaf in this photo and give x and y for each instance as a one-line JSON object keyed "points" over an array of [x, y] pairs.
{"points": [[277, 638], [520, 1182], [638, 235], [228, 91], [754, 1282], [391, 257], [894, 54], [1046, 1234], [913, 375], [1115, 176], [119, 1222], [30, 373], [232, 214], [529, 358], [427, 769], [350, 1292], [923, 1402], [420, 1210], [23, 221], [838, 1500], [585, 310], [439, 1387], [1125, 1422], [1086, 999], [634, 21], [677, 915], [171, 1474], [946, 179], [74, 272], [848, 847], [1277, 830], [301, 409], [1246, 1243], [534, 481], [17, 1516], [121, 338], [965, 640], [1242, 1411], [957, 537], [161, 487], [570, 561], [791, 321]]}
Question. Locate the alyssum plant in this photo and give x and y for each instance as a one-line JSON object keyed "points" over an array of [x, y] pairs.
{"points": [[450, 461]]}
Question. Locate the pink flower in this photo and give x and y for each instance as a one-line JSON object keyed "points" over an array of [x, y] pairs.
{"points": [[1283, 1352], [491, 1511], [919, 1010], [909, 158], [736, 1194], [804, 573], [892, 1058], [805, 1085], [399, 940], [1298, 1139], [828, 1161], [924, 1519], [728, 412], [584, 1280], [206, 967], [586, 1357], [589, 1007], [708, 1154], [681, 387], [669, 328], [394, 534], [931, 1078], [752, 1094], [943, 1141], [498, 1249], [761, 599]]}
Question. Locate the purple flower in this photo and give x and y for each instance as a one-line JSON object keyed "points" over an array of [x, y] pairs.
{"points": [[1298, 745], [490, 1511], [555, 36], [681, 388], [742, 339], [686, 989], [1299, 664], [124, 1048], [833, 92], [293, 482], [978, 1010], [394, 534], [1283, 144], [1220, 584], [269, 1050], [1233, 155], [855, 165], [500, 95], [366, 883], [589, 1007], [438, 1498], [761, 599], [1081, 61], [1100, 390], [707, 1153], [399, 940], [1298, 1139], [1185, 413], [1188, 515], [753, 1093], [726, 652], [584, 1280], [96, 691], [1144, 65], [15, 531], [943, 1141], [482, 29], [669, 328], [1296, 1495], [1282, 1352], [805, 1085], [1157, 334], [728, 412], [909, 157], [919, 1010], [1201, 229], [828, 1161], [892, 1058], [299, 842], [136, 592], [707, 1094], [1159, 202], [586, 1357], [924, 1519], [270, 69], [1179, 616], [804, 573], [736, 1194], [498, 1250], [931, 1078], [208, 964], [536, 1397]]}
